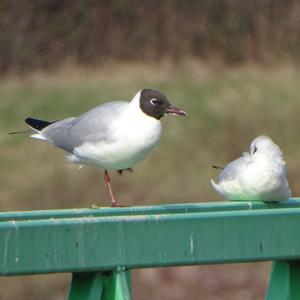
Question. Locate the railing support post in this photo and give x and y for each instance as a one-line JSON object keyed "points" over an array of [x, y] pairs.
{"points": [[87, 286], [113, 285], [284, 281], [117, 286]]}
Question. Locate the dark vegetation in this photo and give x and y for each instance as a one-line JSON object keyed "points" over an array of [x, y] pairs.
{"points": [[44, 34]]}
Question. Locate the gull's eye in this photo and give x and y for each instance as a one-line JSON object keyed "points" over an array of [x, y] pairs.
{"points": [[254, 149], [154, 101]]}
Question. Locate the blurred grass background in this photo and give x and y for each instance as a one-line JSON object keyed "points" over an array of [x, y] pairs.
{"points": [[233, 66], [227, 109]]}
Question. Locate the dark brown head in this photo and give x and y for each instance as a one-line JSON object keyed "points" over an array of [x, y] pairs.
{"points": [[155, 104]]}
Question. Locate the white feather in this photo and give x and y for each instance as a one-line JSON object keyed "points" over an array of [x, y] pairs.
{"points": [[38, 136], [260, 175]]}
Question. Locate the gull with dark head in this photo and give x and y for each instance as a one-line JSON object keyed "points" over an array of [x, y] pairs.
{"points": [[256, 176], [112, 136]]}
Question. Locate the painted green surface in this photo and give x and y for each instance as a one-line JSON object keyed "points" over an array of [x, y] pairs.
{"points": [[285, 281], [99, 243], [100, 286], [122, 287], [117, 286], [145, 210], [87, 286]]}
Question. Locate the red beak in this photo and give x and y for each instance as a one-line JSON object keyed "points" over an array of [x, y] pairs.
{"points": [[175, 111]]}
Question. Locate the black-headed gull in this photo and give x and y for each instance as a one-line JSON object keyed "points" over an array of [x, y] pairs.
{"points": [[112, 136]]}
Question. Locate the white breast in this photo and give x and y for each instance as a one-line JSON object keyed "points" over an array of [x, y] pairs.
{"points": [[133, 136]]}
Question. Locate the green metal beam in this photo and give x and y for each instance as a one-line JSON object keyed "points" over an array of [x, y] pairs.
{"points": [[100, 286], [117, 286], [285, 281], [87, 286], [145, 210], [99, 243], [122, 291]]}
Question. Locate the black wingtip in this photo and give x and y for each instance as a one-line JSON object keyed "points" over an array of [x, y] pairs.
{"points": [[37, 124]]}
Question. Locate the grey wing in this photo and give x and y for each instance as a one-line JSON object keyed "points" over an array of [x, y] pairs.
{"points": [[233, 168], [92, 126]]}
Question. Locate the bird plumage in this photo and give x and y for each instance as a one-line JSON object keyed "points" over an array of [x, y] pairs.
{"points": [[112, 136], [258, 175], [115, 135]]}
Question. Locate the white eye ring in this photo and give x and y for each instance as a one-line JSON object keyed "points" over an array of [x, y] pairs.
{"points": [[154, 101]]}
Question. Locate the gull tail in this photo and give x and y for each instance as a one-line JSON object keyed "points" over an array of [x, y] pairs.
{"points": [[217, 167], [19, 132], [37, 126]]}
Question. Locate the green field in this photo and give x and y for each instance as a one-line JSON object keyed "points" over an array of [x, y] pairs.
{"points": [[227, 109]]}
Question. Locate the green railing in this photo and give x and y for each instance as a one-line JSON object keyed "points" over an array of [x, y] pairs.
{"points": [[101, 246]]}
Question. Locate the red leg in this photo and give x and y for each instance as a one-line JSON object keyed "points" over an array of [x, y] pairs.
{"points": [[107, 181]]}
